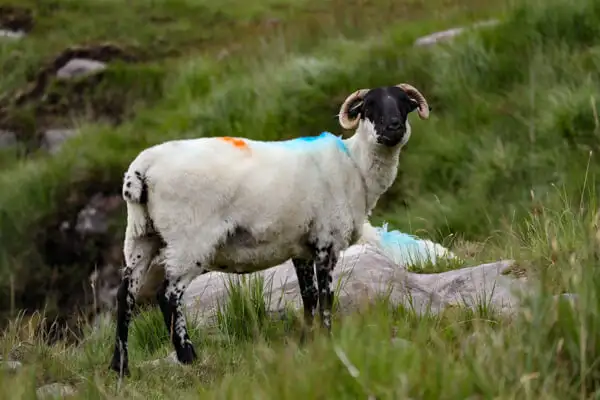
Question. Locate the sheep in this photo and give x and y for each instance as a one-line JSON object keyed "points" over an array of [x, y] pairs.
{"points": [[237, 205]]}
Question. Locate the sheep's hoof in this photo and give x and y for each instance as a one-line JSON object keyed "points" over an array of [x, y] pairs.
{"points": [[186, 354], [115, 365]]}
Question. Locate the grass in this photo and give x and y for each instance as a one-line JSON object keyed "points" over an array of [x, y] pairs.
{"points": [[200, 94], [505, 168], [547, 349]]}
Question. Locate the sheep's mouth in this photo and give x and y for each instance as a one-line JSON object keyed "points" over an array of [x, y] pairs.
{"points": [[392, 139]]}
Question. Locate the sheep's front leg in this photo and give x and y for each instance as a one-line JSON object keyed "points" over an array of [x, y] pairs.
{"points": [[325, 261], [305, 271], [170, 301]]}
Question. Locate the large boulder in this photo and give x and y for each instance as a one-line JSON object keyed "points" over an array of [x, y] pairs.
{"points": [[368, 270]]}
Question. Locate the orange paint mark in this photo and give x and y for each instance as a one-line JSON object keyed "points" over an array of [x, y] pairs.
{"points": [[239, 143]]}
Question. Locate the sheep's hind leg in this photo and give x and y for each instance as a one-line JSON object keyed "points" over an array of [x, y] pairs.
{"points": [[140, 252], [325, 261], [170, 301], [305, 271]]}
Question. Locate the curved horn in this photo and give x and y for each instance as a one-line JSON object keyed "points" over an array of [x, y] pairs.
{"points": [[413, 93], [343, 117]]}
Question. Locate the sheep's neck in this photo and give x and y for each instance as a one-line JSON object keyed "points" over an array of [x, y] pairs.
{"points": [[377, 164]]}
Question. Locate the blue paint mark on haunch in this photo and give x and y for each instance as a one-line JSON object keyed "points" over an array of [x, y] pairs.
{"points": [[312, 142]]}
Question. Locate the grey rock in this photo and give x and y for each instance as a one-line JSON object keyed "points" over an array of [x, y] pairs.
{"points": [[93, 219], [104, 288], [11, 366], [53, 139], [77, 67], [363, 272], [451, 33], [55, 390], [7, 139], [6, 33]]}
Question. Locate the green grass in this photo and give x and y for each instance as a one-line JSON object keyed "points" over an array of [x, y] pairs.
{"points": [[294, 83], [548, 349], [505, 168]]}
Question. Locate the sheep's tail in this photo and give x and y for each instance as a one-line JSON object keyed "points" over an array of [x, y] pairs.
{"points": [[404, 249], [135, 194]]}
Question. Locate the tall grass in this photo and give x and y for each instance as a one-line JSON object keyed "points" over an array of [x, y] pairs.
{"points": [[547, 349]]}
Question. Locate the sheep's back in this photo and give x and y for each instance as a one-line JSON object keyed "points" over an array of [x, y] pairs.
{"points": [[268, 187]]}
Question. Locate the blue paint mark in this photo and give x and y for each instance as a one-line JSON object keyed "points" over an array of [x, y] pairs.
{"points": [[397, 238], [312, 142], [404, 247]]}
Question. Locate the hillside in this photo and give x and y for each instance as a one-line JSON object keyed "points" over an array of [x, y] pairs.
{"points": [[505, 168]]}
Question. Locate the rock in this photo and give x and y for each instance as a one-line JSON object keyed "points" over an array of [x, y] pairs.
{"points": [[105, 284], [77, 67], [364, 272], [11, 366], [7, 139], [93, 218], [52, 139], [450, 33], [11, 34], [55, 390], [93, 223]]}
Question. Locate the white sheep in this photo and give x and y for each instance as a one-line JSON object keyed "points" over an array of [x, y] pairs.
{"points": [[238, 206]]}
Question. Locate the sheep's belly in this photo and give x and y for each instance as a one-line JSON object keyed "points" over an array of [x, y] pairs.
{"points": [[242, 259]]}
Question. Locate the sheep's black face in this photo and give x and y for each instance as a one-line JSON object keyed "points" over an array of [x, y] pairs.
{"points": [[385, 111]]}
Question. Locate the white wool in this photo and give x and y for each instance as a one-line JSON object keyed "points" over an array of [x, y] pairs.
{"points": [[202, 191]]}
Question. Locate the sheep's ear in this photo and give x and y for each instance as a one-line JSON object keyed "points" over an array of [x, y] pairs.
{"points": [[354, 108], [413, 105]]}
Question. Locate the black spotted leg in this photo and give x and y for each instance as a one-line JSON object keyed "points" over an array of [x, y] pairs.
{"points": [[308, 291], [325, 261], [170, 301]]}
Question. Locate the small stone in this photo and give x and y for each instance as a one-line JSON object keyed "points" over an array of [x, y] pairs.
{"points": [[78, 67], [10, 365], [11, 34], [94, 217], [7, 139], [450, 33], [91, 221], [52, 139], [55, 390]]}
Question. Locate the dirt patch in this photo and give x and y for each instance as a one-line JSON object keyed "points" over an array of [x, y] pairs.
{"points": [[16, 18], [106, 95], [105, 52]]}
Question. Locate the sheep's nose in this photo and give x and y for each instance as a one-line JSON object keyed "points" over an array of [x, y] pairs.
{"points": [[394, 124]]}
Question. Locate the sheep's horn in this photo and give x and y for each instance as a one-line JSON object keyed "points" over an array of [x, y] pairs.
{"points": [[345, 121], [413, 93]]}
